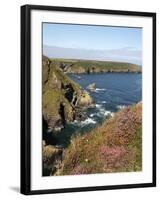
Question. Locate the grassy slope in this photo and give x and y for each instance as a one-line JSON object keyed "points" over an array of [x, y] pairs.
{"points": [[99, 66], [115, 146]]}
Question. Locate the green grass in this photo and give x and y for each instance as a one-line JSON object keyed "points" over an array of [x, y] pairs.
{"points": [[137, 144], [51, 101]]}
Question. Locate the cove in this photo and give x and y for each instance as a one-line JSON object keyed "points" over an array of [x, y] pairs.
{"points": [[113, 91]]}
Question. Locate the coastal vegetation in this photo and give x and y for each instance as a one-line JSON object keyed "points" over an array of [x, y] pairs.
{"points": [[63, 101], [93, 66], [113, 146]]}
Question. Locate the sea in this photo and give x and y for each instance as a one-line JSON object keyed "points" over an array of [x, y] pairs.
{"points": [[114, 91]]}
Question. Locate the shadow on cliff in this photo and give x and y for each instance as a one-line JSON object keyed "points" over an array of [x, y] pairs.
{"points": [[61, 138]]}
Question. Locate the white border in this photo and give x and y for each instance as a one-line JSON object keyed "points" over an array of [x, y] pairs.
{"points": [[42, 183]]}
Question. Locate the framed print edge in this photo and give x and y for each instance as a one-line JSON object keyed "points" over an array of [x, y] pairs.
{"points": [[25, 100], [26, 117], [154, 98]]}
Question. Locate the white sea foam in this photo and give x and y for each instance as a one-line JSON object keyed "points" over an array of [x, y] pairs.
{"points": [[88, 121], [84, 123], [106, 113], [97, 90], [102, 111], [98, 106], [93, 114], [120, 107], [100, 89]]}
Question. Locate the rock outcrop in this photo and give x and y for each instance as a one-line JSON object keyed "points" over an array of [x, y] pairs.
{"points": [[84, 100], [62, 97], [92, 87], [52, 159]]}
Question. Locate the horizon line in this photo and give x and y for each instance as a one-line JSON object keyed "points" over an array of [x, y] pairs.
{"points": [[92, 60]]}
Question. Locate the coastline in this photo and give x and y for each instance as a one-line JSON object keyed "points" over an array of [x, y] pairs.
{"points": [[62, 99]]}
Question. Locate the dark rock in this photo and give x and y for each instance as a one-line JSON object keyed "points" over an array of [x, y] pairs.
{"points": [[80, 115], [69, 91]]}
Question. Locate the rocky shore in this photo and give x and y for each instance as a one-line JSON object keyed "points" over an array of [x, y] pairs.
{"points": [[63, 101]]}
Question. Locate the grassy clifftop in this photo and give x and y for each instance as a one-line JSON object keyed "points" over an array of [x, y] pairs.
{"points": [[91, 66], [114, 146]]}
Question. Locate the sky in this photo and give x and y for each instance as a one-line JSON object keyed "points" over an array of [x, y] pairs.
{"points": [[93, 42]]}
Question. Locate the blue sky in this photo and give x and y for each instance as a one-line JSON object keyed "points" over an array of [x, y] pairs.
{"points": [[115, 43]]}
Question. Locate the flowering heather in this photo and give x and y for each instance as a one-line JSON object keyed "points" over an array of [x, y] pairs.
{"points": [[116, 158], [114, 146], [125, 126], [81, 169]]}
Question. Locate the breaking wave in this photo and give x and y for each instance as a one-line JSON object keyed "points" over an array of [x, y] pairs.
{"points": [[101, 111], [99, 90], [98, 106], [88, 121], [84, 123], [120, 107]]}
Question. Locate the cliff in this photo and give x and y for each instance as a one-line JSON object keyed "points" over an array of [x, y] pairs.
{"points": [[90, 66], [114, 146], [63, 99]]}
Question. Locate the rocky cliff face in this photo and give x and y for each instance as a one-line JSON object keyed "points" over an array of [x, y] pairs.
{"points": [[52, 159], [90, 66], [62, 97]]}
